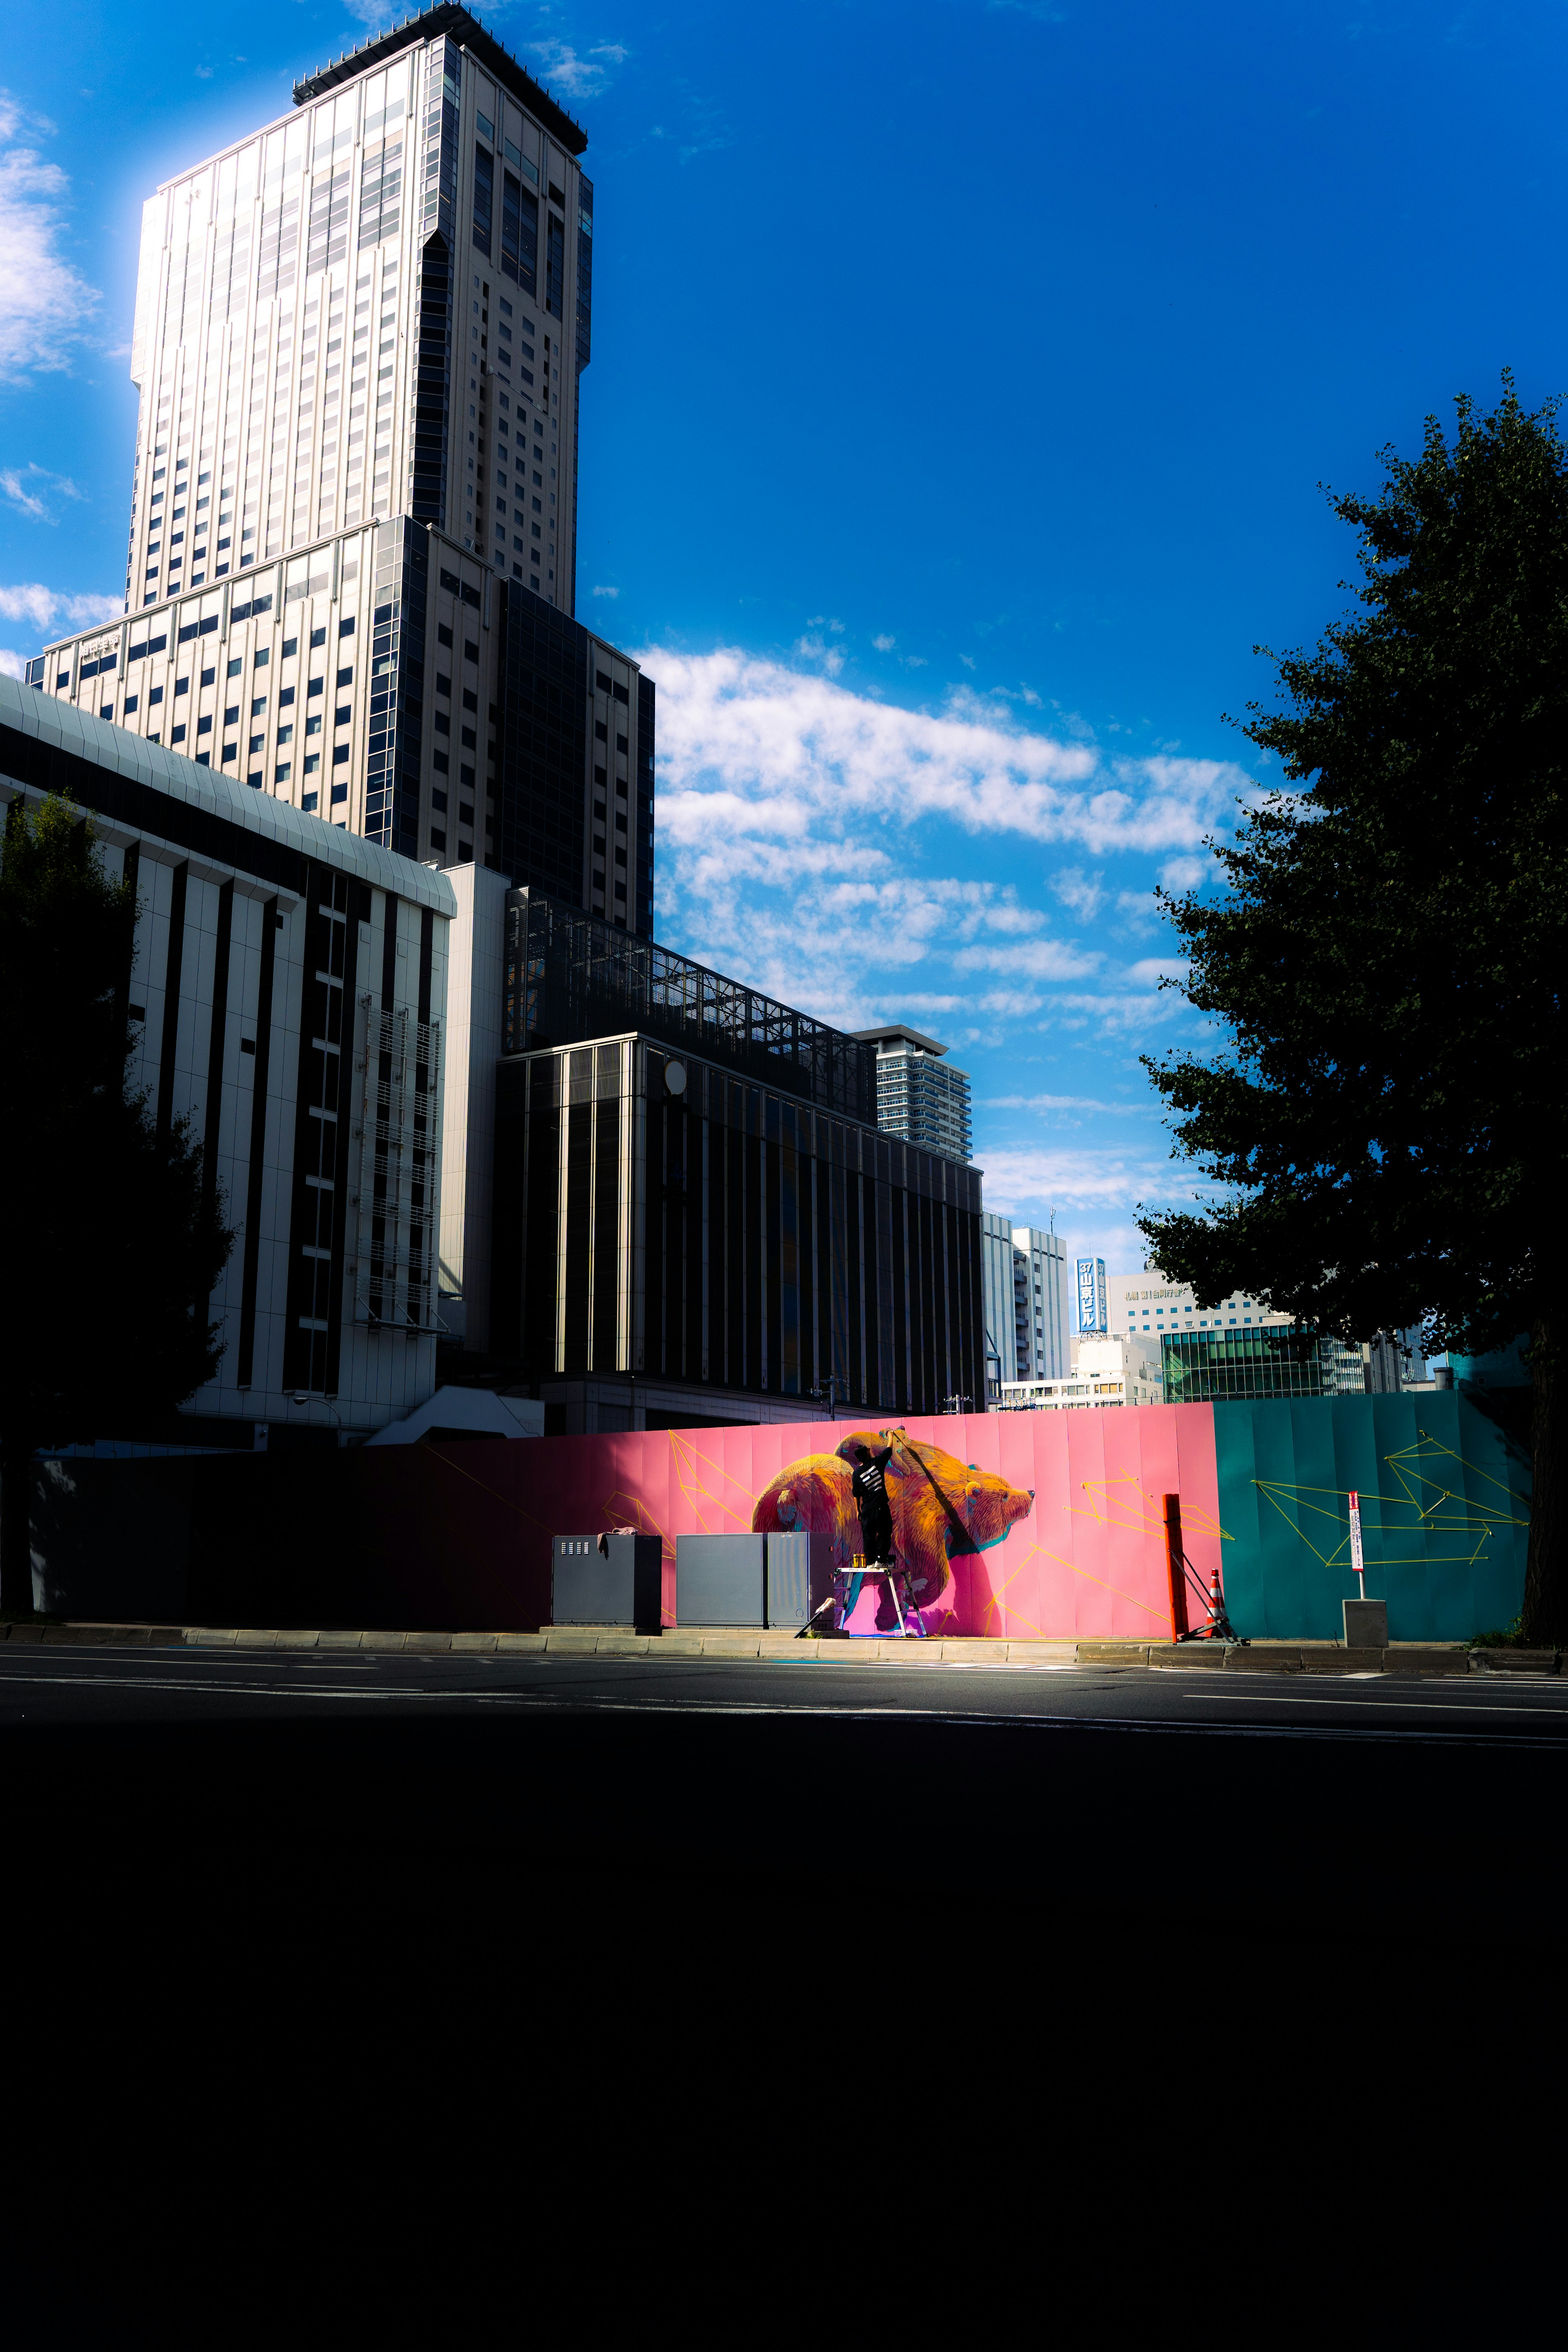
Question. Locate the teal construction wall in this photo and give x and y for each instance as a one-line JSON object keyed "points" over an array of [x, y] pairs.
{"points": [[1444, 1505]]}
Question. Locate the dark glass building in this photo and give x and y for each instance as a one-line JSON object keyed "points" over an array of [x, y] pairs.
{"points": [[1210, 1367], [576, 753], [703, 1199]]}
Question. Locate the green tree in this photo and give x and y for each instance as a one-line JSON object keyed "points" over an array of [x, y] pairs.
{"points": [[1388, 1114], [116, 1242]]}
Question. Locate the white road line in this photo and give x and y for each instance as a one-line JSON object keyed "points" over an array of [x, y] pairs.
{"points": [[1415, 1706]]}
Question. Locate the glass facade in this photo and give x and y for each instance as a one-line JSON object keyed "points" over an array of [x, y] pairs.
{"points": [[1209, 1367], [569, 977], [659, 1215]]}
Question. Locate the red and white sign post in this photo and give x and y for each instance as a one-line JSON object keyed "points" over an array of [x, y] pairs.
{"points": [[1355, 1543]]}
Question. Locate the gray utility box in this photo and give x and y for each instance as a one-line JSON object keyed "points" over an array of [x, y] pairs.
{"points": [[719, 1580], [625, 1588], [800, 1577], [1366, 1625]]}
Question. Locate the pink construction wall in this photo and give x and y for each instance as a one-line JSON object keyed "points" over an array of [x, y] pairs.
{"points": [[1085, 1556]]}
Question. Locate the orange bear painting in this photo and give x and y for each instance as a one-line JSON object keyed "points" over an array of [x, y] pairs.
{"points": [[942, 1510]]}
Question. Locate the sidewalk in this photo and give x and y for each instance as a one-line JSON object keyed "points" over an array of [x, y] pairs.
{"points": [[1187, 1657]]}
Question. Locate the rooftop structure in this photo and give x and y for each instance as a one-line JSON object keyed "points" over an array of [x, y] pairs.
{"points": [[570, 977], [466, 30]]}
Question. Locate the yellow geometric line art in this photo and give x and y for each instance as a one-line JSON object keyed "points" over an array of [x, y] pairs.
{"points": [[630, 1510], [1439, 1447], [543, 1525], [995, 1601], [1163, 1615], [1151, 1521], [1467, 1518], [687, 1463], [1445, 1493]]}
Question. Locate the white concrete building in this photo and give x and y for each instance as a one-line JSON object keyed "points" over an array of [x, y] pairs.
{"points": [[1024, 1286], [1146, 1302], [1104, 1372], [287, 997], [1040, 1305]]}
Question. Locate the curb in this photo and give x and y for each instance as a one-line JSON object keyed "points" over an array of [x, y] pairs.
{"points": [[1264, 1657]]}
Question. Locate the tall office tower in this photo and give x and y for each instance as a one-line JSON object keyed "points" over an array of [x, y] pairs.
{"points": [[359, 338], [1040, 1343], [998, 1302], [329, 313], [920, 1098]]}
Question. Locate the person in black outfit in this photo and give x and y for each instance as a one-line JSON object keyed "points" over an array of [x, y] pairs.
{"points": [[871, 1488]]}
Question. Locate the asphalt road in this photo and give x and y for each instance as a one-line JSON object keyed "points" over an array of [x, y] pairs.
{"points": [[650, 1939], [1034, 1791]]}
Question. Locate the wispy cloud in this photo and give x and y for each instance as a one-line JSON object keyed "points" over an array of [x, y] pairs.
{"points": [[606, 592], [32, 489], [44, 606], [784, 755], [1032, 1177], [580, 73], [1144, 1109], [818, 649], [1080, 891], [44, 304]]}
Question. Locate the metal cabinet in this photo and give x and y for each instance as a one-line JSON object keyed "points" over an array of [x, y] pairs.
{"points": [[619, 1585]]}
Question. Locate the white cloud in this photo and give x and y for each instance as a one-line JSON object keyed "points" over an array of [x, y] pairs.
{"points": [[606, 592], [815, 842], [1070, 1102], [1009, 1003], [44, 606], [580, 73], [1031, 959], [816, 649], [1180, 874], [793, 756], [45, 303], [884, 645], [1077, 1176], [844, 949], [1079, 890], [1113, 1016], [12, 665], [28, 488], [968, 660]]}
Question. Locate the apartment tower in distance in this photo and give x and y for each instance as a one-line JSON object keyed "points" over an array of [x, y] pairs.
{"points": [[921, 1097], [351, 580]]}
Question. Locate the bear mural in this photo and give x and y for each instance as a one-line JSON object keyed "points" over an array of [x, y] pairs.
{"points": [[942, 1509]]}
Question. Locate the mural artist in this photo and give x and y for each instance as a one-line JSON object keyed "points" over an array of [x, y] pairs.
{"points": [[914, 1507]]}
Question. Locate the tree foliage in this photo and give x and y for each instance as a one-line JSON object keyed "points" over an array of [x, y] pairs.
{"points": [[116, 1239], [1388, 1117]]}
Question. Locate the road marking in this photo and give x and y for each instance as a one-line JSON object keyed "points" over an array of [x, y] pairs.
{"points": [[1415, 1706], [889, 1711]]}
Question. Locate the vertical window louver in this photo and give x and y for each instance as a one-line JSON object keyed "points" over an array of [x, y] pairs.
{"points": [[484, 198]]}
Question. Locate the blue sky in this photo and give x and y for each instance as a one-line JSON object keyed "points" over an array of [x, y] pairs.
{"points": [[963, 378]]}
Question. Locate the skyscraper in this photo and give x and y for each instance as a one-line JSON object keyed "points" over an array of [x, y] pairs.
{"points": [[920, 1098], [1040, 1344], [359, 338]]}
